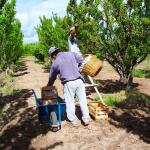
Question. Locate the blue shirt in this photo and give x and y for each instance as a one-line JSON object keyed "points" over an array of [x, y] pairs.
{"points": [[65, 64]]}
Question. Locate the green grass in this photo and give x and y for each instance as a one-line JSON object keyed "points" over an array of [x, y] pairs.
{"points": [[8, 80], [125, 98], [114, 100], [96, 98], [6, 90], [138, 73], [143, 69]]}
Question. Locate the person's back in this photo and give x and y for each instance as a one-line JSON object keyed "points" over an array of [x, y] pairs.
{"points": [[68, 66]]}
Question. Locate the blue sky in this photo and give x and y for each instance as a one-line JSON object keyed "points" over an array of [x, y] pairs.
{"points": [[28, 12]]}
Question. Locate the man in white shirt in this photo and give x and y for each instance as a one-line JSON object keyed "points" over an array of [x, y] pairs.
{"points": [[73, 42]]}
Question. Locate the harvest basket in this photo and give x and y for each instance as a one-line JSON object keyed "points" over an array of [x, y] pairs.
{"points": [[92, 67], [49, 94], [98, 111]]}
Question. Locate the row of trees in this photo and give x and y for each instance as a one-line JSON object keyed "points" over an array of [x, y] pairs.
{"points": [[117, 30], [53, 31], [33, 49], [11, 38]]}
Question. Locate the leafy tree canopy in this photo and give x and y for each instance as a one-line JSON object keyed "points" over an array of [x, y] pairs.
{"points": [[117, 30], [11, 38]]}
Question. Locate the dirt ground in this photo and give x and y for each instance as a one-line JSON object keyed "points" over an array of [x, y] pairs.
{"points": [[126, 129]]}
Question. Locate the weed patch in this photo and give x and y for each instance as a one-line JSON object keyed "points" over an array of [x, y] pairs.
{"points": [[140, 73], [114, 100]]}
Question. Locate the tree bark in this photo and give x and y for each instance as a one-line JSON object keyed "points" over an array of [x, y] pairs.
{"points": [[127, 79]]}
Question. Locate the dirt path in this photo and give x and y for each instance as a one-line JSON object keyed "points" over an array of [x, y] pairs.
{"points": [[22, 131]]}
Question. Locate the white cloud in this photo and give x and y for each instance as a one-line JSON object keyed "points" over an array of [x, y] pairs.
{"points": [[32, 39], [28, 12]]}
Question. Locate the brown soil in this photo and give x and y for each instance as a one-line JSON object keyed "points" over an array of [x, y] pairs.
{"points": [[126, 129]]}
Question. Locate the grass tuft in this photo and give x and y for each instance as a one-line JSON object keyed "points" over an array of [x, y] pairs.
{"points": [[7, 87], [138, 73], [6, 91], [114, 100]]}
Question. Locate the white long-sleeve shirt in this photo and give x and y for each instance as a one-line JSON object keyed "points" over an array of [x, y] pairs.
{"points": [[73, 45]]}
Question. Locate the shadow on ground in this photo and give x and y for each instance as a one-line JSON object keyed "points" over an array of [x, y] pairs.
{"points": [[147, 73], [53, 146], [24, 124], [13, 103], [46, 70], [110, 86], [21, 69], [135, 118]]}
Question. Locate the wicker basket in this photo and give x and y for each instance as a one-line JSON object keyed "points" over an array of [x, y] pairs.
{"points": [[92, 67]]}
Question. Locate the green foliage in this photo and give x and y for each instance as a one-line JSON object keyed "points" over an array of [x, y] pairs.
{"points": [[53, 32], [10, 35], [37, 53], [110, 101], [114, 100], [86, 16], [2, 2], [118, 29], [124, 35], [7, 88], [6, 91], [140, 73], [125, 99], [33, 49], [28, 49]]}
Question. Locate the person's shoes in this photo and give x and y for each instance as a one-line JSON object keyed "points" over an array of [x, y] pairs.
{"points": [[74, 123], [86, 122]]}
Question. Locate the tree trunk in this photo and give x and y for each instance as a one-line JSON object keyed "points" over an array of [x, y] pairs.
{"points": [[127, 80]]}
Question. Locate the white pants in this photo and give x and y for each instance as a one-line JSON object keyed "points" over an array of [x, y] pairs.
{"points": [[71, 89]]}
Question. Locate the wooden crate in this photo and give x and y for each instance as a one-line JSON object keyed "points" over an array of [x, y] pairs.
{"points": [[49, 94], [98, 111]]}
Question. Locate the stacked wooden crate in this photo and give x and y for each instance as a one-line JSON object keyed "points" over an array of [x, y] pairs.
{"points": [[97, 110], [49, 95]]}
